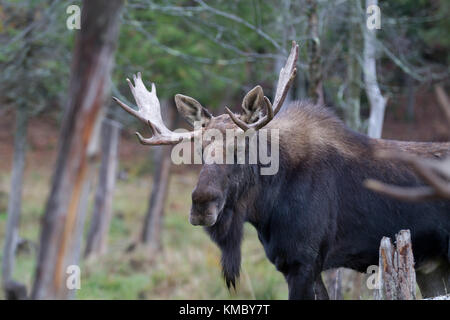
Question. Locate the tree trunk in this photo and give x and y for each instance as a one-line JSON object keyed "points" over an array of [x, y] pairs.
{"points": [[410, 92], [151, 233], [101, 216], [14, 289], [444, 101], [90, 75], [284, 30], [315, 89], [352, 111], [397, 278], [376, 100]]}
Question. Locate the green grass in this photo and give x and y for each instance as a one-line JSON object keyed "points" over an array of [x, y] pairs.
{"points": [[187, 268]]}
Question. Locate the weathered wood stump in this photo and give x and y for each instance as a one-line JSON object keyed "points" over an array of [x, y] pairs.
{"points": [[397, 278]]}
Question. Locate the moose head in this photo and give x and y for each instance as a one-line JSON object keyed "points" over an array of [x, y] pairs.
{"points": [[217, 182]]}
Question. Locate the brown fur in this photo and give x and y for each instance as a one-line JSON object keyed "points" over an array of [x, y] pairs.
{"points": [[307, 130]]}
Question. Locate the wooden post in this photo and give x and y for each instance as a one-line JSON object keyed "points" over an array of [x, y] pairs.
{"points": [[397, 278]]}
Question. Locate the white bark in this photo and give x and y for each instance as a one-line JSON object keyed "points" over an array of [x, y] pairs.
{"points": [[376, 100]]}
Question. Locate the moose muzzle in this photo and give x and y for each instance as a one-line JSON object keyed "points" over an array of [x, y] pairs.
{"points": [[206, 217]]}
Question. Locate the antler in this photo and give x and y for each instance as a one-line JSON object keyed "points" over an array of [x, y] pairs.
{"points": [[434, 172], [149, 112], [287, 75]]}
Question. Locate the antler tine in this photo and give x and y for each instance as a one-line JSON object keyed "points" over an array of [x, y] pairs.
{"points": [[158, 138], [287, 75], [129, 110], [149, 112], [405, 194], [241, 124]]}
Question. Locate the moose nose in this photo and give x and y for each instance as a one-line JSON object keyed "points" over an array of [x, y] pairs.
{"points": [[202, 220], [205, 218]]}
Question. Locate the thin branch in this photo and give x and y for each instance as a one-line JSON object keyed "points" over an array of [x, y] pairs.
{"points": [[243, 22]]}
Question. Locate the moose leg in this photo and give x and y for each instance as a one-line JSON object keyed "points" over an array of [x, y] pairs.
{"points": [[320, 290], [301, 281]]}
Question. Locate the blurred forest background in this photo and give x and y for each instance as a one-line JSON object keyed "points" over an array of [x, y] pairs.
{"points": [[130, 234]]}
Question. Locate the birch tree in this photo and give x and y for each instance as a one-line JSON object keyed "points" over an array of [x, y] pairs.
{"points": [[376, 99]]}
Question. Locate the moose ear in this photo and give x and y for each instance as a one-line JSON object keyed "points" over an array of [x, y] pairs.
{"points": [[191, 110], [252, 105]]}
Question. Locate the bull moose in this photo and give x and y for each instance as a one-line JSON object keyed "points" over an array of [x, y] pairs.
{"points": [[314, 213]]}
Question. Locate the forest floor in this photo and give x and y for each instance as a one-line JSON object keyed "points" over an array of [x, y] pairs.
{"points": [[187, 268]]}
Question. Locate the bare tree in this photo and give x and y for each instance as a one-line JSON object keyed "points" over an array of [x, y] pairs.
{"points": [[285, 30], [18, 82], [12, 288], [91, 68], [352, 107], [377, 101], [96, 243], [151, 232], [314, 54]]}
